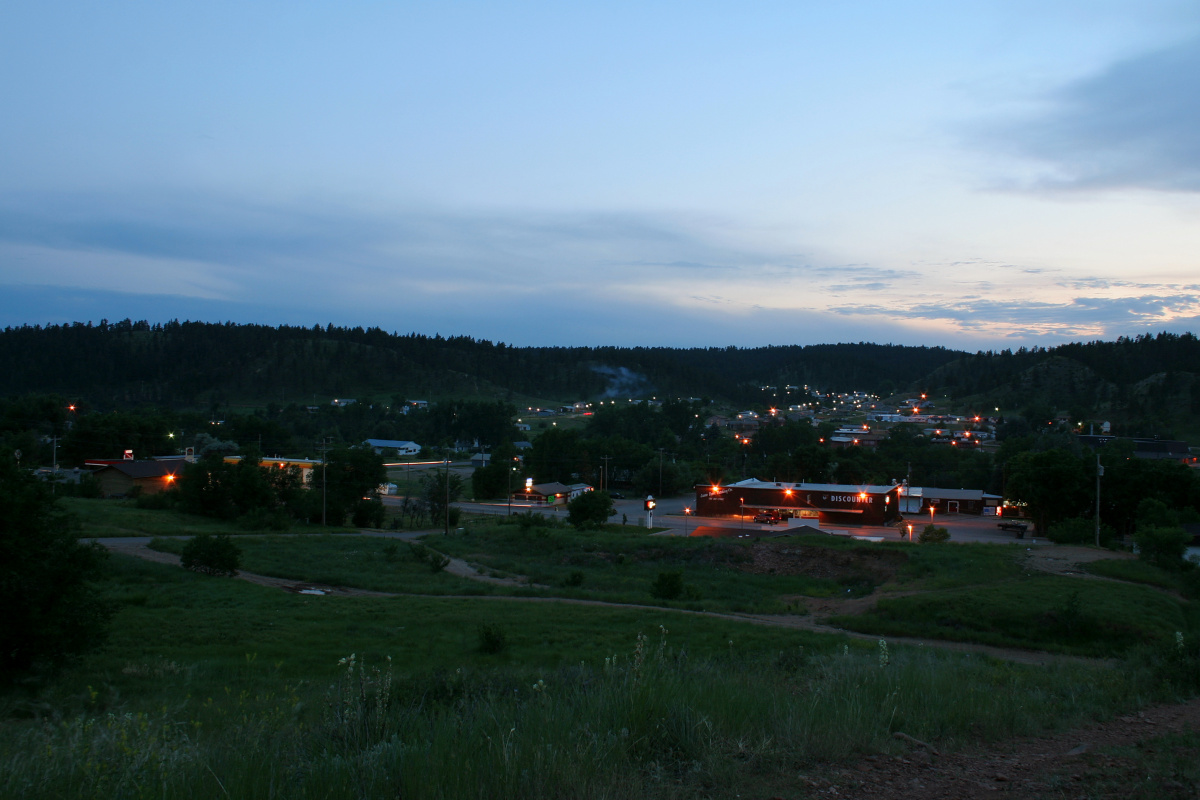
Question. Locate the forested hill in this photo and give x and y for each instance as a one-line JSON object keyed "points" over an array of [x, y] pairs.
{"points": [[1150, 383], [197, 363]]}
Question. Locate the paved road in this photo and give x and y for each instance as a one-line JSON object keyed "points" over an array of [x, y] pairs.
{"points": [[670, 514]]}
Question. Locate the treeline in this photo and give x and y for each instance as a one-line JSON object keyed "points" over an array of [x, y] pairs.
{"points": [[48, 428], [1148, 385], [199, 364]]}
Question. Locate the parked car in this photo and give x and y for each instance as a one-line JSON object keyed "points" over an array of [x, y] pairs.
{"points": [[616, 495], [768, 517]]}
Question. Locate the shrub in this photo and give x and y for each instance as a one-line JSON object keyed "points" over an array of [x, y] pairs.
{"points": [[933, 534], [590, 510], [158, 501], [1078, 530], [211, 555], [492, 638], [368, 514], [668, 585], [1161, 546], [51, 609], [262, 519], [574, 579]]}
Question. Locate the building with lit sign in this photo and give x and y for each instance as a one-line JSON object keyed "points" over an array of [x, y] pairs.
{"points": [[833, 503]]}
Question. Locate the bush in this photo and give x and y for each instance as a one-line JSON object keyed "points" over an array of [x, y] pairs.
{"points": [[492, 638], [211, 555], [262, 519], [50, 606], [1078, 530], [159, 501], [590, 510], [668, 585], [1163, 547], [933, 534], [369, 513]]}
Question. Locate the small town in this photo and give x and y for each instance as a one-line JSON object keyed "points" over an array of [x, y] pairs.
{"points": [[600, 401]]}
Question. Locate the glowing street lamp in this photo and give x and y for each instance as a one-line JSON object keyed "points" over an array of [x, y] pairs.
{"points": [[687, 512]]}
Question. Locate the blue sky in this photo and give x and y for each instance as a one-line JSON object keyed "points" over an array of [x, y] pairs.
{"points": [[976, 175]]}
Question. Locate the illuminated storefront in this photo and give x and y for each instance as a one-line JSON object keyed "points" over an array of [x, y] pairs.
{"points": [[832, 503]]}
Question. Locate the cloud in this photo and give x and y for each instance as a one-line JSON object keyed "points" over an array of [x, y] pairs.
{"points": [[1073, 317], [1133, 125]]}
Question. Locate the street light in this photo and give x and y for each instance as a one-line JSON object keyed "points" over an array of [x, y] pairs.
{"points": [[511, 470], [686, 513]]}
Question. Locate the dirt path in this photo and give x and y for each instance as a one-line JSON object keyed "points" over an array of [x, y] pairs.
{"points": [[808, 622], [1105, 760], [140, 550]]}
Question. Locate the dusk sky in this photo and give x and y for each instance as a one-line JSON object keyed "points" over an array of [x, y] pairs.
{"points": [[978, 175]]}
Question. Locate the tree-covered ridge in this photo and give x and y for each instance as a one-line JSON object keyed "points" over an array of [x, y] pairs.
{"points": [[195, 363], [1148, 385]]}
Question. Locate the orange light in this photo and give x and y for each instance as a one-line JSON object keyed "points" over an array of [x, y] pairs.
{"points": [[170, 478], [788, 492]]}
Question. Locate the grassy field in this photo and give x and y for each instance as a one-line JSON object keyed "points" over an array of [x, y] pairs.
{"points": [[1140, 572], [1041, 612], [213, 687], [361, 562]]}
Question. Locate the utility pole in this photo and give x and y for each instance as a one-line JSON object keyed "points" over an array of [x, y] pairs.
{"points": [[1099, 472], [447, 476], [604, 473], [324, 477], [660, 458]]}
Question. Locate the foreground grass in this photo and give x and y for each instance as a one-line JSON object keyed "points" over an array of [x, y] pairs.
{"points": [[213, 688]]}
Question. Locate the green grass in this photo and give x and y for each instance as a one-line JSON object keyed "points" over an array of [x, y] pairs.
{"points": [[208, 680], [362, 562], [1135, 571], [1041, 612], [213, 687], [117, 518], [620, 564], [167, 612]]}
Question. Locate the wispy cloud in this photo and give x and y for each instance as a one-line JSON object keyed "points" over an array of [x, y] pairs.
{"points": [[1134, 125]]}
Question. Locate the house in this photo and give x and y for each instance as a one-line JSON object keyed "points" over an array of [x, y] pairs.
{"points": [[919, 499], [403, 448], [342, 402], [119, 478], [576, 489], [305, 465], [543, 494], [480, 460]]}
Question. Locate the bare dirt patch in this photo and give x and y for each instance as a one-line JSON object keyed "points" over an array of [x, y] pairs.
{"points": [[775, 558], [1065, 559], [1088, 762]]}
